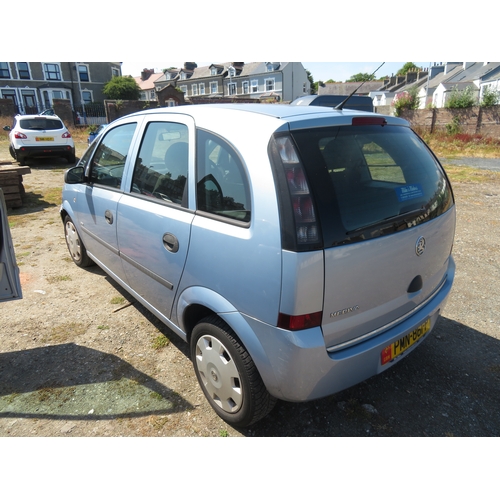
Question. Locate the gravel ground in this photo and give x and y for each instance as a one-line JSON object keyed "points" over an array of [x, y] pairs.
{"points": [[78, 357]]}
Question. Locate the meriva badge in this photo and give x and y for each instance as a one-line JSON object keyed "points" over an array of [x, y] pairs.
{"points": [[420, 246]]}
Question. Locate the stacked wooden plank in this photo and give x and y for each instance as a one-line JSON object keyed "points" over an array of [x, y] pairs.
{"points": [[11, 182]]}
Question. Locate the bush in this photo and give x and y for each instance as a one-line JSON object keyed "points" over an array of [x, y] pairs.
{"points": [[460, 99], [405, 101], [490, 97]]}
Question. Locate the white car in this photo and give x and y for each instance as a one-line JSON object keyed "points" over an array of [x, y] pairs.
{"points": [[10, 285], [40, 136]]}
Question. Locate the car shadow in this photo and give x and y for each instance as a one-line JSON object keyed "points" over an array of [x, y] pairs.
{"points": [[72, 382], [448, 386]]}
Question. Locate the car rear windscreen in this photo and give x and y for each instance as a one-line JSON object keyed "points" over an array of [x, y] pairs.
{"points": [[40, 123], [371, 180]]}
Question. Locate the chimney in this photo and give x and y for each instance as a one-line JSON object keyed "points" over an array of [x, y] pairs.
{"points": [[146, 73]]}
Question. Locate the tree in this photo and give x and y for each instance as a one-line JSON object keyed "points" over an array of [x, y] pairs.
{"points": [[361, 77], [409, 66], [122, 87], [314, 85]]}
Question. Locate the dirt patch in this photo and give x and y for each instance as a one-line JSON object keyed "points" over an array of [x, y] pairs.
{"points": [[78, 357]]}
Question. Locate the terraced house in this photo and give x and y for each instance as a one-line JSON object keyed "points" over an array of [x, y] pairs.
{"points": [[33, 86], [278, 81]]}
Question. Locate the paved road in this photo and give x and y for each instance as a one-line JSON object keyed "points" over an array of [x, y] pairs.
{"points": [[486, 163]]}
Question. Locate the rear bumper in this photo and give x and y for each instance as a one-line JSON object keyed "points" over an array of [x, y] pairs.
{"points": [[303, 370], [31, 151]]}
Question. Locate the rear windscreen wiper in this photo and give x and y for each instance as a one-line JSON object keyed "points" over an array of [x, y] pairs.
{"points": [[407, 217]]}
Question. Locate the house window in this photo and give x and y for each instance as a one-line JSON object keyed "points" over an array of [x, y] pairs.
{"points": [[213, 87], [255, 86], [115, 72], [29, 101], [246, 88], [152, 95], [23, 71], [269, 84], [184, 89], [202, 89], [83, 72], [270, 68], [183, 76], [52, 71], [4, 70], [232, 72], [194, 89], [213, 71], [231, 88], [87, 96]]}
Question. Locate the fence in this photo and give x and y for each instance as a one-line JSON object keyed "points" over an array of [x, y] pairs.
{"points": [[90, 114]]}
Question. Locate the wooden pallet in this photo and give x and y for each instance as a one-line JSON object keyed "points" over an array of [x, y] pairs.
{"points": [[11, 182]]}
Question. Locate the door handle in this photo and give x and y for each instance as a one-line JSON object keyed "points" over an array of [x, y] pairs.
{"points": [[170, 242], [108, 216]]}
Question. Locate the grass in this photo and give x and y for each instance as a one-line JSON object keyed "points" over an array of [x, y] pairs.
{"points": [[117, 300], [471, 175]]}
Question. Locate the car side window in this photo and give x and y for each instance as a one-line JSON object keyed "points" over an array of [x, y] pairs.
{"points": [[161, 168], [108, 162], [222, 184]]}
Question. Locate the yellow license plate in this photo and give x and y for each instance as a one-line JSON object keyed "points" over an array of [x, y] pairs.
{"points": [[43, 139], [400, 346]]}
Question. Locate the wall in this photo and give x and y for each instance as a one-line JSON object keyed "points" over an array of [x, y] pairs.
{"points": [[116, 108], [475, 120]]}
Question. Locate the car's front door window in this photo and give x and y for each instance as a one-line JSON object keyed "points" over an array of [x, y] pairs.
{"points": [[109, 159]]}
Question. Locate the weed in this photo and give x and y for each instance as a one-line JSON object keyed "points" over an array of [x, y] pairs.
{"points": [[160, 342], [103, 327], [57, 279], [223, 433], [117, 300], [155, 395]]}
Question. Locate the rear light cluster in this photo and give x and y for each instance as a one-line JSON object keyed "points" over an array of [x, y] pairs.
{"points": [[20, 135], [66, 135], [306, 226]]}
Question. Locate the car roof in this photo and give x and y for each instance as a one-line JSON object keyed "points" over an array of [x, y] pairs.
{"points": [[48, 117], [285, 112]]}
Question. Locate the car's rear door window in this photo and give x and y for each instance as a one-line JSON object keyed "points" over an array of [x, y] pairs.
{"points": [[161, 169], [371, 180], [222, 184]]}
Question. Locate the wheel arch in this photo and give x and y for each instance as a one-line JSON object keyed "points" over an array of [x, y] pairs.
{"points": [[197, 303]]}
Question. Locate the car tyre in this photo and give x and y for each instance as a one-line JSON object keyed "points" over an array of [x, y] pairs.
{"points": [[227, 374], [75, 245], [12, 152]]}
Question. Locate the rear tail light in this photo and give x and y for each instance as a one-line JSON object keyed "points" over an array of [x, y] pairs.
{"points": [[306, 224], [301, 322], [20, 135], [66, 135]]}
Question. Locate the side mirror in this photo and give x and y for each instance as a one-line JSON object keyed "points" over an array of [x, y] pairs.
{"points": [[75, 175], [7, 128]]}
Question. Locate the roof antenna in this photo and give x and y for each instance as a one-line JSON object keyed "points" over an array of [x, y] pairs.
{"points": [[341, 105]]}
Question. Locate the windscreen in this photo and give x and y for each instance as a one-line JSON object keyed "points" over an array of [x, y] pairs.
{"points": [[370, 181]]}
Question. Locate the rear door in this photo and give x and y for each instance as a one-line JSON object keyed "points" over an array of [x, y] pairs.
{"points": [[10, 285], [388, 223], [154, 219]]}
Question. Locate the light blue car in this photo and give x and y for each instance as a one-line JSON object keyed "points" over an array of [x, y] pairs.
{"points": [[298, 250]]}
